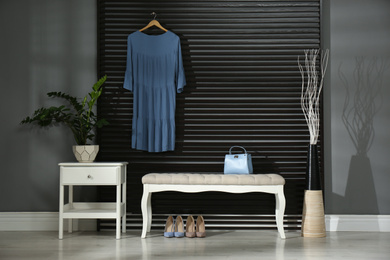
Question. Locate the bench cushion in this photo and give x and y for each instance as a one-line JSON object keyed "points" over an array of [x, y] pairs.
{"points": [[212, 179]]}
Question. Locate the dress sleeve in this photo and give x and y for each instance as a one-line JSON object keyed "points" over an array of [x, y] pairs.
{"points": [[180, 76], [128, 83]]}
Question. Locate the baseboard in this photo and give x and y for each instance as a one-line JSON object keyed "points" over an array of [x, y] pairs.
{"points": [[373, 223], [48, 221], [40, 221]]}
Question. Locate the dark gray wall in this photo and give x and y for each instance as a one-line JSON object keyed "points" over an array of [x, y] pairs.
{"points": [[359, 35], [51, 45], [46, 46]]}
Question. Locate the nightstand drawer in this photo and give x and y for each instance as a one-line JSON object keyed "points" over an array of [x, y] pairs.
{"points": [[90, 175]]}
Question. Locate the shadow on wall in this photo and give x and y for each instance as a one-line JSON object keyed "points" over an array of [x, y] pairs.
{"points": [[363, 100]]}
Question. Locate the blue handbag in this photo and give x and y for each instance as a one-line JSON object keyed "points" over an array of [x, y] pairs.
{"points": [[239, 163]]}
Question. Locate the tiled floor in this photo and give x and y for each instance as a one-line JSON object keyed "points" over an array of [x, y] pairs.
{"points": [[241, 245]]}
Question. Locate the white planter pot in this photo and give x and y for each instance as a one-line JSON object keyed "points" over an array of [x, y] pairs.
{"points": [[85, 153]]}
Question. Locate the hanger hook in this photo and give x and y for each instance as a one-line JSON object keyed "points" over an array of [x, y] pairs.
{"points": [[154, 15]]}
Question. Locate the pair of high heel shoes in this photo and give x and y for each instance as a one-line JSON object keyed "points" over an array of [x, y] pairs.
{"points": [[175, 228]]}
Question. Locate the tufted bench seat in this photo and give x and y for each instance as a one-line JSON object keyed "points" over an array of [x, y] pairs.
{"points": [[194, 182]]}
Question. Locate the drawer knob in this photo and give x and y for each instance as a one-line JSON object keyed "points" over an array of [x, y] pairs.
{"points": [[89, 177]]}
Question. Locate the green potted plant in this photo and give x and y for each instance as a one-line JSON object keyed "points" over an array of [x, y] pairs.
{"points": [[77, 116]]}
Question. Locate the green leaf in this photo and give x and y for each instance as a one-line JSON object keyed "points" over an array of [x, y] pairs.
{"points": [[102, 122], [100, 82]]}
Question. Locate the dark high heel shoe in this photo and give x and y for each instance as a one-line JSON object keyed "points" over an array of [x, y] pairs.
{"points": [[179, 227], [169, 227], [190, 227], [200, 227]]}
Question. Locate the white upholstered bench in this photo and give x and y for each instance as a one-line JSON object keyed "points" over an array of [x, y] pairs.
{"points": [[191, 182]]}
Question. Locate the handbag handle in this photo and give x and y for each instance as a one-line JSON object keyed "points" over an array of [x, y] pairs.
{"points": [[230, 150]]}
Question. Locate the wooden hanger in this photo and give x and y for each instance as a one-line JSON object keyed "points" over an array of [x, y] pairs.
{"points": [[153, 22]]}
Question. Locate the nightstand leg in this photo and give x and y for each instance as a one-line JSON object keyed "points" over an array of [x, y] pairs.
{"points": [[61, 211], [124, 206], [118, 211], [70, 221]]}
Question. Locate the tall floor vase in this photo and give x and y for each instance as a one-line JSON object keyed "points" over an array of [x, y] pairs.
{"points": [[313, 217]]}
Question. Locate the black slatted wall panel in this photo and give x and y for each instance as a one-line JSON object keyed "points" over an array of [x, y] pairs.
{"points": [[243, 88]]}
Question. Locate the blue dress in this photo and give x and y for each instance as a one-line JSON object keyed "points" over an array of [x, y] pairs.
{"points": [[154, 73]]}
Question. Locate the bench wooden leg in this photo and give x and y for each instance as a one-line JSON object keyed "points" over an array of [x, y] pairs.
{"points": [[149, 209], [279, 211], [146, 209]]}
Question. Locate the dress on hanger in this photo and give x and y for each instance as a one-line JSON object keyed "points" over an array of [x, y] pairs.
{"points": [[154, 73]]}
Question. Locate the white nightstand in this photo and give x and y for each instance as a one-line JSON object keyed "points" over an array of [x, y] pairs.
{"points": [[81, 174]]}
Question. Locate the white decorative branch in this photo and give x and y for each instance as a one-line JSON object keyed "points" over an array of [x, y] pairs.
{"points": [[311, 89]]}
